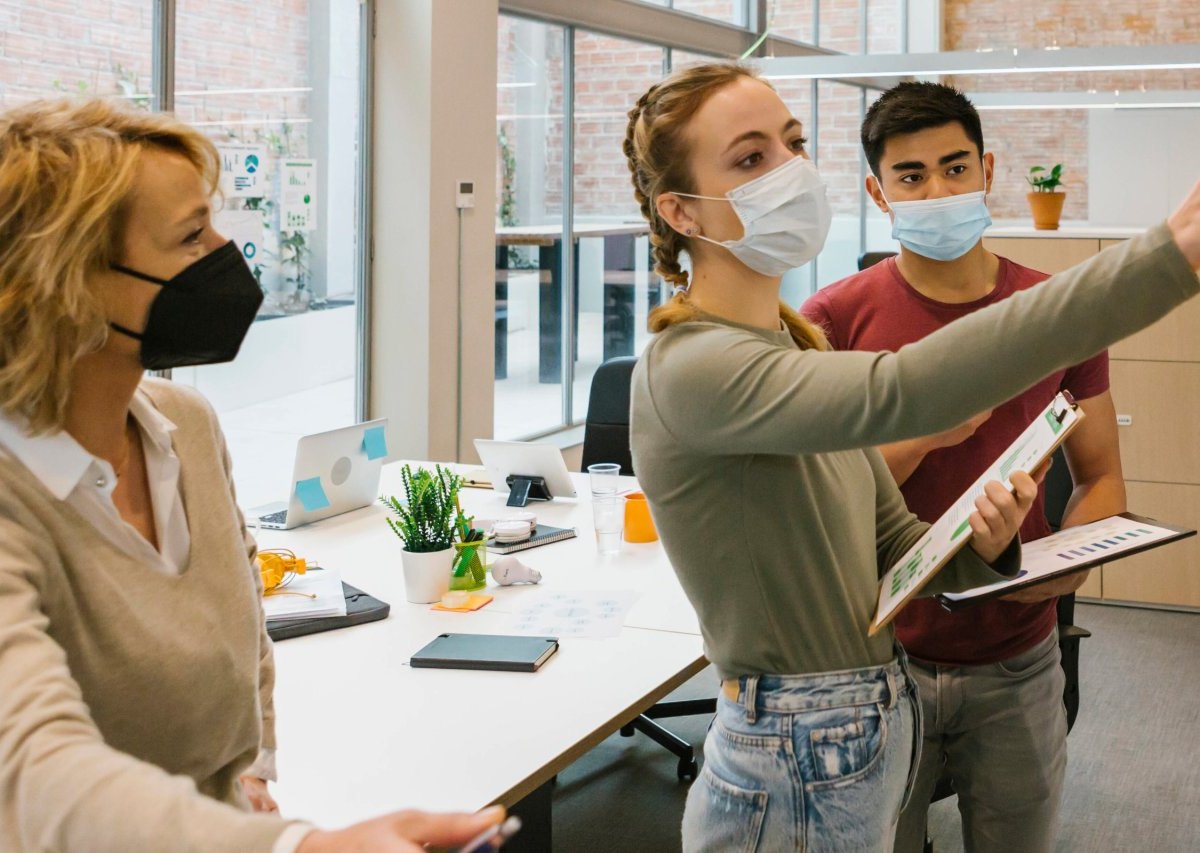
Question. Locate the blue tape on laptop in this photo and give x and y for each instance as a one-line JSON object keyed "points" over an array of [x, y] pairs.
{"points": [[334, 472]]}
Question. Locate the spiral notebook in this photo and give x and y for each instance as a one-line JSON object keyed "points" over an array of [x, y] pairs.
{"points": [[544, 534]]}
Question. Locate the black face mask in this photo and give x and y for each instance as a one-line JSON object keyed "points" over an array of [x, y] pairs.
{"points": [[200, 316]]}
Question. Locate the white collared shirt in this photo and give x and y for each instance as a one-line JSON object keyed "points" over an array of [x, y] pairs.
{"points": [[86, 483]]}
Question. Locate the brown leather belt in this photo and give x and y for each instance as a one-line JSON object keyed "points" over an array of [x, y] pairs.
{"points": [[731, 689]]}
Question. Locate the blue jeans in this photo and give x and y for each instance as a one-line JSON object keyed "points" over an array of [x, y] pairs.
{"points": [[811, 762]]}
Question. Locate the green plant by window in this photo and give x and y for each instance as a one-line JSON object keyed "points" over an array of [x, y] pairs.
{"points": [[429, 517], [294, 254], [508, 171], [1044, 181]]}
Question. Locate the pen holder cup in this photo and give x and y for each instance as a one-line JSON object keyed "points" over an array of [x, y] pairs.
{"points": [[470, 558], [639, 526]]}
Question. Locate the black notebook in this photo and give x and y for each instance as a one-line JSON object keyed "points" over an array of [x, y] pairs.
{"points": [[543, 534], [486, 651], [360, 608]]}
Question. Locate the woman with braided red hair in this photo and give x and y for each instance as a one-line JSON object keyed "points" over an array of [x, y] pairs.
{"points": [[755, 447]]}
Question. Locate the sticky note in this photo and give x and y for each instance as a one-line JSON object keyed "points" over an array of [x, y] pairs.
{"points": [[375, 442], [311, 494], [473, 603]]}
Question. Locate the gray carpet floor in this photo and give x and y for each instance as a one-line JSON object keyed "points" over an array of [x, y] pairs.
{"points": [[1133, 777]]}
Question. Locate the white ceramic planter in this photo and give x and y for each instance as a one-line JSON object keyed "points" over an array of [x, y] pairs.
{"points": [[427, 576]]}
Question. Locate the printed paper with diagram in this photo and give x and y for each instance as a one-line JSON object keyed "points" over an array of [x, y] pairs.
{"points": [[1076, 549]]}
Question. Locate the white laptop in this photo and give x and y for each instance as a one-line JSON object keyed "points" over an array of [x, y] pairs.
{"points": [[334, 472]]}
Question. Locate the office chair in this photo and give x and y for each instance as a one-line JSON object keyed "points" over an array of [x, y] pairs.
{"points": [[606, 439], [870, 259], [606, 430], [1058, 486], [501, 351]]}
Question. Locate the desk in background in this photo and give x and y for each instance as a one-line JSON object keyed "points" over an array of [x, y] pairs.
{"points": [[361, 733], [620, 248]]}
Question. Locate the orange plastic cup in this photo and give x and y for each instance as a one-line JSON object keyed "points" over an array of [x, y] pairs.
{"points": [[639, 527]]}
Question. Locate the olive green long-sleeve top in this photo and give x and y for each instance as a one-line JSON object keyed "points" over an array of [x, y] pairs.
{"points": [[758, 458]]}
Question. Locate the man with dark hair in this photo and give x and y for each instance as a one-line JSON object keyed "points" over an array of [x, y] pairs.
{"points": [[989, 676]]}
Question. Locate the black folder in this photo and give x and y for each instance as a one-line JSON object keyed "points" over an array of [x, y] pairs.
{"points": [[486, 651], [360, 608]]}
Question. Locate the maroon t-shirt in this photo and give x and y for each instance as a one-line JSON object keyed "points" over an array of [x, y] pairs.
{"points": [[876, 310]]}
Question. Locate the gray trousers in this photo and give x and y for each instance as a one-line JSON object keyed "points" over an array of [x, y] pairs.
{"points": [[1000, 732]]}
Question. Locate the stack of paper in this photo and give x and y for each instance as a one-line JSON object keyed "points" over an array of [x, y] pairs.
{"points": [[319, 595]]}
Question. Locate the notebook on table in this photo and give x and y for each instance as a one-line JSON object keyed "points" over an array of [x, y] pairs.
{"points": [[543, 534], [486, 651]]}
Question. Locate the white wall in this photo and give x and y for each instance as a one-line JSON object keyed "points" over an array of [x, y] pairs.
{"points": [[1140, 163], [435, 124]]}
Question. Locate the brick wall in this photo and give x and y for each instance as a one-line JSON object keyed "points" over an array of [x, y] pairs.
{"points": [[59, 47], [228, 44], [104, 47], [1025, 138], [610, 74], [602, 100]]}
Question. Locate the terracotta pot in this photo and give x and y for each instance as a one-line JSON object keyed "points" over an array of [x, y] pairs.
{"points": [[1047, 209]]}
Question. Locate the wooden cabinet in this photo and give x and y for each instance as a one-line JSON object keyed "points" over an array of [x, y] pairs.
{"points": [[1041, 253], [1093, 587], [1156, 388], [1169, 575], [1161, 400]]}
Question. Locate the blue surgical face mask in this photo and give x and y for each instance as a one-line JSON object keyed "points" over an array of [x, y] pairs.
{"points": [[943, 229]]}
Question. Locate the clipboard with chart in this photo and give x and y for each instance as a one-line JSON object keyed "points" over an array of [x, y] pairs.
{"points": [[1075, 549], [947, 536]]}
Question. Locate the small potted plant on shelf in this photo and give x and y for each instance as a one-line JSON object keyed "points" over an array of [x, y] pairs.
{"points": [[427, 520], [1046, 202]]}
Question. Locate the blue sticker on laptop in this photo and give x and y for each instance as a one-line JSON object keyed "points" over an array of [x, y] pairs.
{"points": [[311, 495], [375, 442]]}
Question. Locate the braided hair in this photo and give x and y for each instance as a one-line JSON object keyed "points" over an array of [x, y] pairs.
{"points": [[658, 162]]}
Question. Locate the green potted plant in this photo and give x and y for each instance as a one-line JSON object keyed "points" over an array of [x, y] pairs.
{"points": [[294, 258], [1046, 202], [427, 520]]}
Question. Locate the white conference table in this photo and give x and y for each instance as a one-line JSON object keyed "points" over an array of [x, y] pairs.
{"points": [[362, 733]]}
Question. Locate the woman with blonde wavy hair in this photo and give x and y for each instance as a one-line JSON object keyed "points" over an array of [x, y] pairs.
{"points": [[135, 670], [755, 447]]}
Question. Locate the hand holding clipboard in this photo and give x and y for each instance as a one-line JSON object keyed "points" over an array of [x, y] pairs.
{"points": [[947, 536]]}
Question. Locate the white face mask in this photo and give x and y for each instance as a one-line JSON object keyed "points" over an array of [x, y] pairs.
{"points": [[785, 216]]}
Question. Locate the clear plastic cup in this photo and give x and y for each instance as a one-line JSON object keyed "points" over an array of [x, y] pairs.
{"points": [[608, 513], [605, 478]]}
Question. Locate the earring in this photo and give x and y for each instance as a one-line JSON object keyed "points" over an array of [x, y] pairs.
{"points": [[690, 232]]}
